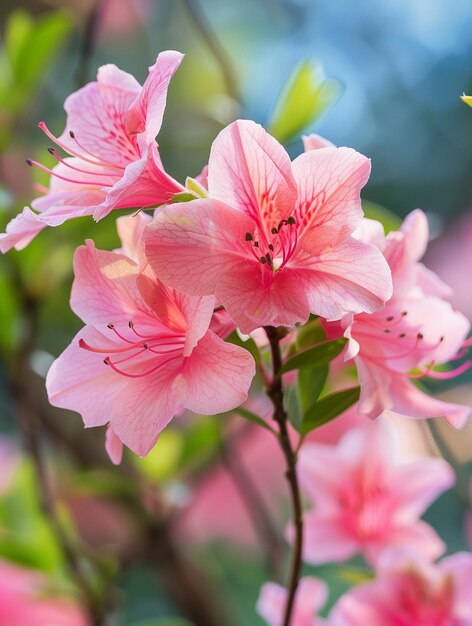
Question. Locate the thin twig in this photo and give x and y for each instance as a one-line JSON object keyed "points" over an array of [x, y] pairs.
{"points": [[20, 377], [88, 43], [276, 394], [217, 50], [260, 516]]}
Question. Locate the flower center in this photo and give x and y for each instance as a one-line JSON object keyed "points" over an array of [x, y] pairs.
{"points": [[275, 250], [139, 351]]}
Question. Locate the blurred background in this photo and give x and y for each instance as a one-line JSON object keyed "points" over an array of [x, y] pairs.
{"points": [[170, 535]]}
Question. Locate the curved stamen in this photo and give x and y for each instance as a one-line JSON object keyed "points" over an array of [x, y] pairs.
{"points": [[86, 346], [57, 156], [109, 362], [96, 183], [100, 160]]}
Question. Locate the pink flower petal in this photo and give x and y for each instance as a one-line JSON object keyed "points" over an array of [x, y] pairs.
{"points": [[146, 113], [347, 278], [329, 182], [104, 289], [249, 170], [20, 231], [218, 376]]}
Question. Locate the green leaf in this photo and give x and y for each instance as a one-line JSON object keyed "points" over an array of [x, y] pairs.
{"points": [[252, 417], [304, 98], [328, 408], [310, 383], [317, 356], [292, 407]]}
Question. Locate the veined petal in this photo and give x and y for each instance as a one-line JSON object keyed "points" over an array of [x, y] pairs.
{"points": [[329, 182], [146, 113], [104, 290], [192, 245], [249, 170], [21, 230], [95, 117], [218, 376], [349, 277], [144, 183]]}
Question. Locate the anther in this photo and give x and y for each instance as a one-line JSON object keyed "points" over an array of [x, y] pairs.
{"points": [[72, 134], [386, 330], [441, 339], [389, 318], [403, 313], [291, 220], [145, 346], [401, 335], [51, 150], [106, 361], [263, 260], [419, 335], [29, 161], [130, 324], [111, 326], [249, 237], [268, 257], [256, 244], [271, 247]]}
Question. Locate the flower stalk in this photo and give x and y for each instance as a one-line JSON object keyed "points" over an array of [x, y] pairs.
{"points": [[275, 392]]}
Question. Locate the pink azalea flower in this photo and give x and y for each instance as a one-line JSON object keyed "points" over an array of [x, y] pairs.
{"points": [[410, 591], [145, 354], [110, 134], [418, 329], [311, 596], [366, 498], [26, 601], [273, 240]]}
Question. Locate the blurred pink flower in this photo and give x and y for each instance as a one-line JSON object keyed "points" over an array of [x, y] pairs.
{"points": [[365, 498], [418, 329], [145, 354], [110, 134], [451, 257], [273, 241], [26, 601], [311, 596], [410, 591], [217, 509]]}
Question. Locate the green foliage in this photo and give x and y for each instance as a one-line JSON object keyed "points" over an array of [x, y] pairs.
{"points": [[30, 47], [25, 535], [326, 409], [310, 381], [252, 417], [314, 357], [304, 98]]}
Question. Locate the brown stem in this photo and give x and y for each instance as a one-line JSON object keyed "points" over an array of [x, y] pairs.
{"points": [[213, 43], [276, 394], [260, 516]]}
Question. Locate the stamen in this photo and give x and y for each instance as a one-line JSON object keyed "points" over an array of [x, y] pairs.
{"points": [[109, 362], [56, 155], [95, 183], [83, 344]]}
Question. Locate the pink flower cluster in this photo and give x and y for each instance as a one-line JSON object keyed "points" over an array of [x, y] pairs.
{"points": [[264, 242]]}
